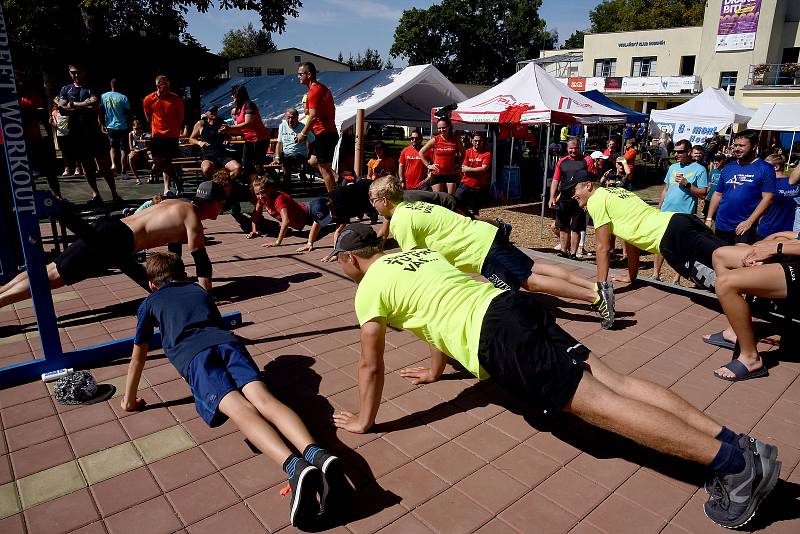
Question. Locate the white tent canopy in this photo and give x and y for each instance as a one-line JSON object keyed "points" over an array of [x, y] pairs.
{"points": [[531, 96], [710, 112], [776, 117]]}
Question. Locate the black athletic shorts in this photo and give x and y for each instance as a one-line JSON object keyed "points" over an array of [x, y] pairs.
{"points": [[218, 159], [87, 145], [110, 245], [570, 216], [472, 197], [791, 269], [688, 246], [527, 353], [730, 237], [164, 147], [444, 179], [506, 266], [324, 146], [118, 139]]}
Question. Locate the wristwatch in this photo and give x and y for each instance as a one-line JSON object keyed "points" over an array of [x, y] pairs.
{"points": [[779, 250]]}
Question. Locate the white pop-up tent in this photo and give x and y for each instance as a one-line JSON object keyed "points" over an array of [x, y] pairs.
{"points": [[531, 96], [708, 113], [779, 118]]}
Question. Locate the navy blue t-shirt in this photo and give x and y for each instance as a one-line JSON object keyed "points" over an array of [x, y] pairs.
{"points": [[779, 216], [189, 320], [81, 121], [741, 187]]}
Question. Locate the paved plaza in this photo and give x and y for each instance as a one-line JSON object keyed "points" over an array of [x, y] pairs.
{"points": [[451, 457]]}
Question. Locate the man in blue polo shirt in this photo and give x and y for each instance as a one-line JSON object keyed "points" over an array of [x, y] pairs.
{"points": [[684, 183], [745, 190]]}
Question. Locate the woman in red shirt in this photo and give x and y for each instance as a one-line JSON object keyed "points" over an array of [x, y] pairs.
{"points": [[248, 123], [448, 153]]}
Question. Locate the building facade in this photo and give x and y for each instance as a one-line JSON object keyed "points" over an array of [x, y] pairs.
{"points": [[281, 62], [749, 48]]}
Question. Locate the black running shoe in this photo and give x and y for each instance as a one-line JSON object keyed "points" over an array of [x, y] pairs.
{"points": [[335, 487], [605, 306], [755, 446], [305, 485], [735, 497]]}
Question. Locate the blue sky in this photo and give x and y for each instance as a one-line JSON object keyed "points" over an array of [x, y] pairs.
{"points": [[329, 26]]}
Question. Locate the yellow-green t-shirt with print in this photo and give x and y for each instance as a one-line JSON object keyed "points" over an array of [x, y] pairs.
{"points": [[422, 292], [463, 241], [630, 218]]}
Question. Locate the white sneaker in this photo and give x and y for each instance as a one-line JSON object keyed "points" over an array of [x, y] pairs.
{"points": [[557, 247]]}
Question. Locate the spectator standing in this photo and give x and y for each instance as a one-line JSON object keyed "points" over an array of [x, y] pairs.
{"points": [[612, 151], [631, 151], [290, 153], [570, 218], [115, 107], [685, 182], [163, 109], [41, 150], [779, 216], [60, 124], [448, 154], [320, 111], [381, 164], [207, 135], [717, 163], [85, 139], [699, 155], [745, 190], [475, 174], [411, 170], [248, 123]]}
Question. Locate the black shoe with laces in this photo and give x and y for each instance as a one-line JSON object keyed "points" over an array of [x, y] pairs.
{"points": [[748, 443], [335, 487], [605, 306], [305, 485], [735, 497]]}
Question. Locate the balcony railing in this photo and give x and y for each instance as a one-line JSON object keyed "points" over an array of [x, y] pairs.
{"points": [[774, 74]]}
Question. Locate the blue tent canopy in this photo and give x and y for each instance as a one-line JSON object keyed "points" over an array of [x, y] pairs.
{"points": [[600, 98]]}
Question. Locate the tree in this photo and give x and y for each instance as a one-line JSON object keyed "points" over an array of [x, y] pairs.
{"points": [[371, 60], [575, 40], [632, 15], [246, 42], [476, 42], [189, 40]]}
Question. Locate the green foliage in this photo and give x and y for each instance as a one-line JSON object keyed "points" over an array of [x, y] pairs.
{"points": [[371, 60], [246, 42], [476, 42], [575, 40], [631, 15]]}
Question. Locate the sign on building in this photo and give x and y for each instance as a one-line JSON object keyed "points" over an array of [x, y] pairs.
{"points": [[738, 22]]}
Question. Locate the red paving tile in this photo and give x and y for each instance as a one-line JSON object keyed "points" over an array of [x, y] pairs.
{"points": [[453, 456]]}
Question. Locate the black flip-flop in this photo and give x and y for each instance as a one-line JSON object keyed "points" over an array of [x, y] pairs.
{"points": [[741, 372], [718, 340]]}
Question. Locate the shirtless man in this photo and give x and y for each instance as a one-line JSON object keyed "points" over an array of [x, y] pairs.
{"points": [[111, 243]]}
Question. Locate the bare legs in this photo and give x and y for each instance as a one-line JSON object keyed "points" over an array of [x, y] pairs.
{"points": [[258, 414], [645, 413], [555, 280], [328, 175], [19, 288]]}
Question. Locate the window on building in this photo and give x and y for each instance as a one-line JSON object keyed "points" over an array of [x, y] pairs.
{"points": [[250, 71], [298, 59], [274, 72], [643, 66], [727, 81], [605, 68], [790, 55], [687, 65]]}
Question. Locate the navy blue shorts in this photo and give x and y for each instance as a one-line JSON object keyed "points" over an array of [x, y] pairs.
{"points": [[506, 266], [215, 372]]}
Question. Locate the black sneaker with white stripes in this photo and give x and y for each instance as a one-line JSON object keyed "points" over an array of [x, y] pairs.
{"points": [[306, 484]]}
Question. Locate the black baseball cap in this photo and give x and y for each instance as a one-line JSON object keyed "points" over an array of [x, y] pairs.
{"points": [[321, 211], [209, 191], [354, 236], [579, 176]]}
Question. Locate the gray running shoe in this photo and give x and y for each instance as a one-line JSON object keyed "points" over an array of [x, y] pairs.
{"points": [[755, 446], [735, 497], [605, 306]]}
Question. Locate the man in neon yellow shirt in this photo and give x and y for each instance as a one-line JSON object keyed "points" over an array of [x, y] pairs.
{"points": [[478, 247], [685, 242], [513, 338]]}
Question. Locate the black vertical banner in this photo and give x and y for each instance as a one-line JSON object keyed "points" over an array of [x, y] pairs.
{"points": [[22, 193]]}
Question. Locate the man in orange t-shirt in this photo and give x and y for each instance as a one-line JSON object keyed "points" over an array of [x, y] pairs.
{"points": [[163, 109], [412, 171], [321, 120], [475, 174]]}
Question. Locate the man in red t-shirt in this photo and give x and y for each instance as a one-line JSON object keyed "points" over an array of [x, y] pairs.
{"points": [[570, 218], [411, 170], [321, 120], [475, 174], [281, 207], [163, 109]]}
